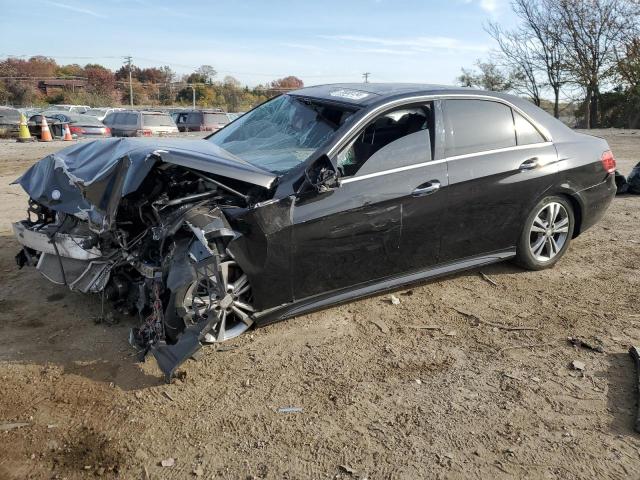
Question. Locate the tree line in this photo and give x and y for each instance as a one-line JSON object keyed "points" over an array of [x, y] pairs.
{"points": [[582, 52], [21, 84]]}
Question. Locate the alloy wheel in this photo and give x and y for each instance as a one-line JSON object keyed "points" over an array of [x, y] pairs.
{"points": [[549, 231], [231, 303]]}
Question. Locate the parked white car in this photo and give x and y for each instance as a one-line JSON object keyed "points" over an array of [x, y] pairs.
{"points": [[101, 113]]}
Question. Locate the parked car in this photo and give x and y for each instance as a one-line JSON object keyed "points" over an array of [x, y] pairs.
{"points": [[130, 123], [9, 122], [55, 124], [69, 108], [234, 115], [316, 197], [101, 113], [81, 125], [201, 120]]}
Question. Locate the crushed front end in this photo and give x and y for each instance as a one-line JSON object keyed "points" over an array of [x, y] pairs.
{"points": [[147, 229]]}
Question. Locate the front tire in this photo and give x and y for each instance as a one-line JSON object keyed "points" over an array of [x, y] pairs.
{"points": [[546, 234]]}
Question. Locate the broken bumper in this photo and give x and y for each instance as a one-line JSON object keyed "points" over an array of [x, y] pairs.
{"points": [[69, 246]]}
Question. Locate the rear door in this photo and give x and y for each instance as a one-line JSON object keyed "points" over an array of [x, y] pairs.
{"points": [[499, 165]]}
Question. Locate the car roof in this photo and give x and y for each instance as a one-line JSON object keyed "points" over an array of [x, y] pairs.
{"points": [[371, 94], [368, 93]]}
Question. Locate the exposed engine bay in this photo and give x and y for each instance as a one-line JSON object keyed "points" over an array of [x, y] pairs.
{"points": [[148, 235]]}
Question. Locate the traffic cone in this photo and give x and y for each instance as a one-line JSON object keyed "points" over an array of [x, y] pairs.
{"points": [[67, 133], [23, 134], [45, 134]]}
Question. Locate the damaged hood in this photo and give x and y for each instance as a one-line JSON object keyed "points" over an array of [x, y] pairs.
{"points": [[89, 179]]}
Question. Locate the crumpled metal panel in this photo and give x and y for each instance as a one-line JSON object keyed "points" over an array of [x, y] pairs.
{"points": [[91, 177]]}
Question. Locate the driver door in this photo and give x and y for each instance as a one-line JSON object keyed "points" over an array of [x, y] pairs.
{"points": [[383, 219]]}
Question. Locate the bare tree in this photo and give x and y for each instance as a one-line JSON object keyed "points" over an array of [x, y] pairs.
{"points": [[592, 32], [519, 54], [534, 50]]}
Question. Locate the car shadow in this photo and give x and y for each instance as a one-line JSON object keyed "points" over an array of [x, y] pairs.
{"points": [[46, 324]]}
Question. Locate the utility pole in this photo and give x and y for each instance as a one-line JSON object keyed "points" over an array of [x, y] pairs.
{"points": [[193, 89], [365, 75], [128, 59]]}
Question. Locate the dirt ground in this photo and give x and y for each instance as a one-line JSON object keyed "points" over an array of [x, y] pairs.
{"points": [[383, 396]]}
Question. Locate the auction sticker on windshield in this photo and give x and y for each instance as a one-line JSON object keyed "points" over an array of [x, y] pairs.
{"points": [[350, 94]]}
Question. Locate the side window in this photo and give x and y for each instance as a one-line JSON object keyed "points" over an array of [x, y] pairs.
{"points": [[132, 119], [477, 125], [181, 118], [526, 133], [194, 118], [395, 139]]}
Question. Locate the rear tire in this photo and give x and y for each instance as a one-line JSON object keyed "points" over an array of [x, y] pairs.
{"points": [[546, 234]]}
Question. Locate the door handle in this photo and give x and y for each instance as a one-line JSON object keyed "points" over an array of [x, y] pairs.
{"points": [[426, 188], [529, 164]]}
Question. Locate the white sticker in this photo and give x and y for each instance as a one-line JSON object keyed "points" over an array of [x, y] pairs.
{"points": [[350, 94]]}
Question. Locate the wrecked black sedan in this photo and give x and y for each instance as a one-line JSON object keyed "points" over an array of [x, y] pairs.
{"points": [[316, 197]]}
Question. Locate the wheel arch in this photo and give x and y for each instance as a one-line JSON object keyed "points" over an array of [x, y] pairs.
{"points": [[576, 202]]}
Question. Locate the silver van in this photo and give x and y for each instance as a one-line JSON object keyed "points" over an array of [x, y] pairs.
{"points": [[201, 120], [130, 123]]}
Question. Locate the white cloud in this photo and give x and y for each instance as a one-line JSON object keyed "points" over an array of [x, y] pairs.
{"points": [[410, 44], [489, 5], [84, 11]]}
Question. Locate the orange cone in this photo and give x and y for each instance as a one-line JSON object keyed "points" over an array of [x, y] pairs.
{"points": [[45, 134], [67, 133]]}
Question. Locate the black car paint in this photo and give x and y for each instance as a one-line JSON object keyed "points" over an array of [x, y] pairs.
{"points": [[360, 237]]}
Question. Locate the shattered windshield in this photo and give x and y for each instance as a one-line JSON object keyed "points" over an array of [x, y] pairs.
{"points": [[281, 133]]}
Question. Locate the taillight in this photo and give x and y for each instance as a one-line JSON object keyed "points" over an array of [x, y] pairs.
{"points": [[608, 161], [143, 133], [76, 130], [107, 131]]}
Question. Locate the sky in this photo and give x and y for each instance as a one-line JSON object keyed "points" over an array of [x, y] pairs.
{"points": [[320, 41]]}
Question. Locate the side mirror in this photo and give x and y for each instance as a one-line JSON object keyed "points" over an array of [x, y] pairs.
{"points": [[321, 175]]}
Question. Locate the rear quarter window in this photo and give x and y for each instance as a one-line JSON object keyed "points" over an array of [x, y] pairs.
{"points": [[155, 120], [131, 119], [526, 133], [215, 118], [474, 126]]}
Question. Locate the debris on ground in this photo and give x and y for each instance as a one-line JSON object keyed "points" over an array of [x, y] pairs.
{"points": [[168, 395], [381, 325], [635, 355], [486, 278], [477, 321], [580, 343], [394, 300], [168, 462], [633, 180], [290, 410], [578, 365], [6, 426], [348, 469], [198, 471], [621, 183]]}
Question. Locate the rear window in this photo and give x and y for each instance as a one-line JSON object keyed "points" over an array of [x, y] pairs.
{"points": [[215, 118], [85, 120], [157, 120], [95, 111], [9, 115], [474, 126]]}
